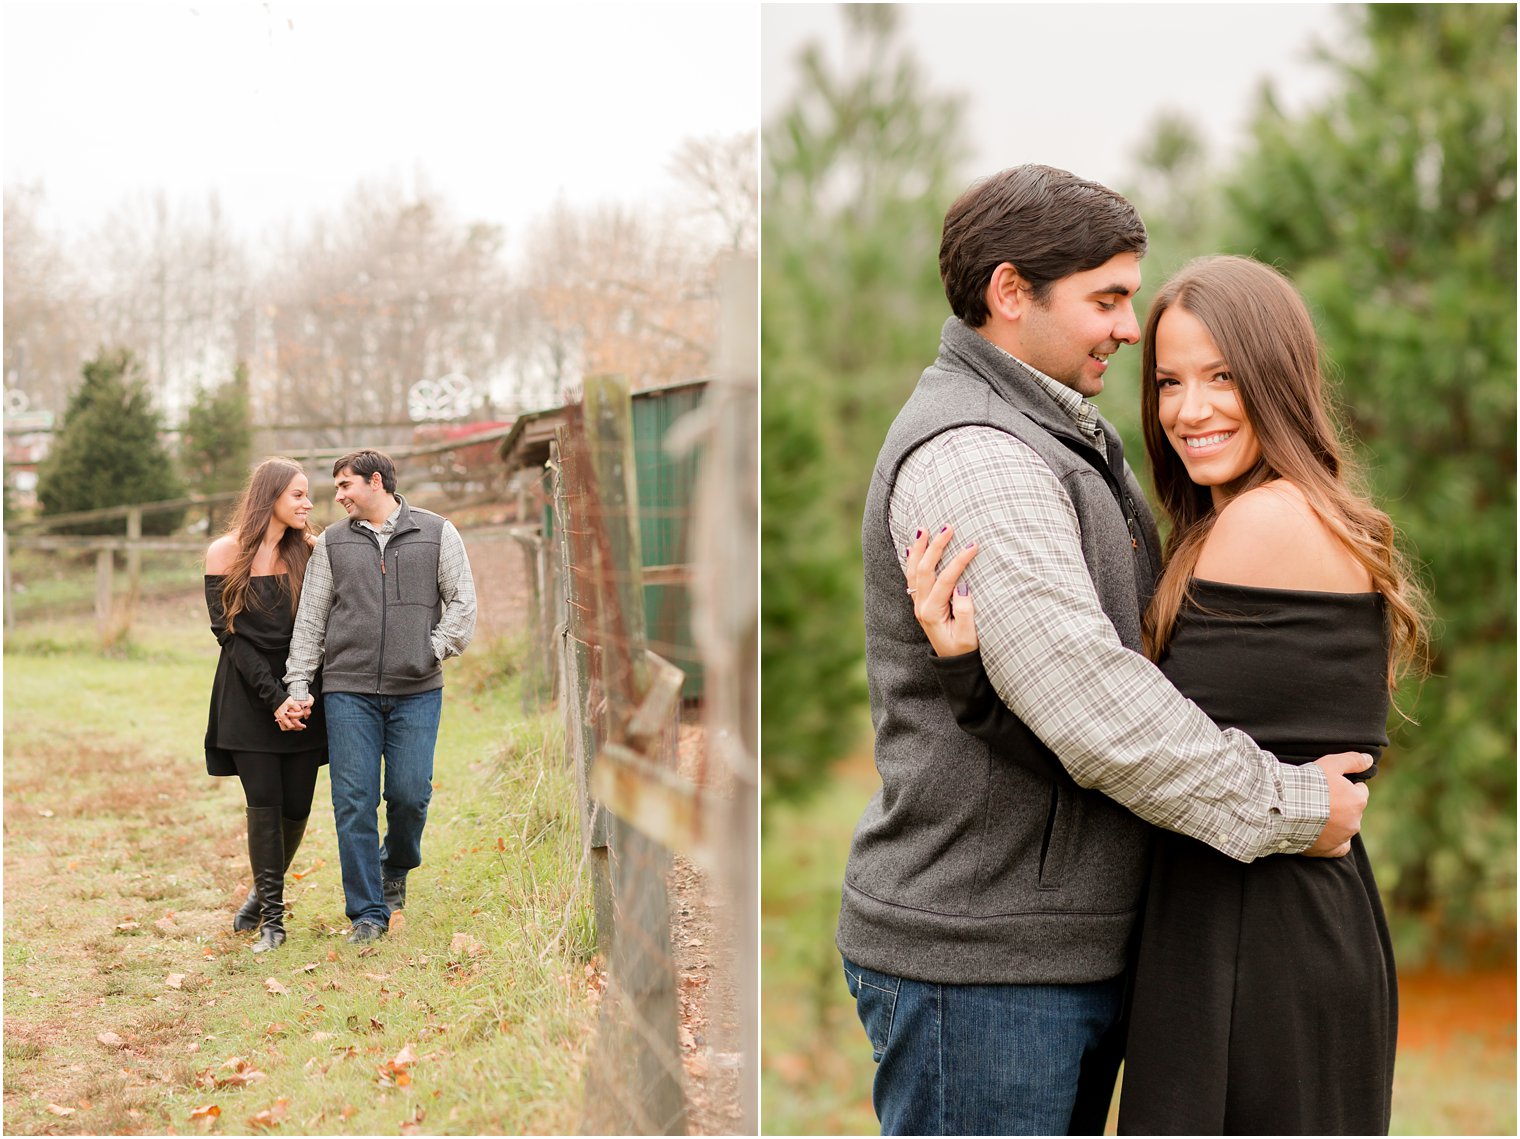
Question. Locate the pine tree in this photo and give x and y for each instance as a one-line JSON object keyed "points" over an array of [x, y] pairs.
{"points": [[216, 447], [108, 451], [1393, 208], [857, 180]]}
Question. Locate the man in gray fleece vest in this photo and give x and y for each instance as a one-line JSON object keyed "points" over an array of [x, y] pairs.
{"points": [[987, 910], [388, 597]]}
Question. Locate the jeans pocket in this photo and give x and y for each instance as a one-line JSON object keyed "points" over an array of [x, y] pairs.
{"points": [[875, 1003]]}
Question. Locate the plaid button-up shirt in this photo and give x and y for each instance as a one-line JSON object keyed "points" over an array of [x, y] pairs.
{"points": [[1111, 717]]}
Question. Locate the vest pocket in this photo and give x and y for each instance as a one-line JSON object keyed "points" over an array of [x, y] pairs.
{"points": [[413, 583], [1061, 824]]}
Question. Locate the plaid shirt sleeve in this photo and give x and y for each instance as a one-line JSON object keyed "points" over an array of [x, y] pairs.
{"points": [[309, 637], [456, 585], [1113, 719]]}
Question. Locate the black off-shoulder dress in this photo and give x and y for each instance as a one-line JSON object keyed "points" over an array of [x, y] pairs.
{"points": [[250, 678], [1264, 998]]}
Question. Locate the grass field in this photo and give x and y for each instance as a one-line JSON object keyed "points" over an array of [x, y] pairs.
{"points": [[131, 1007], [1455, 1073]]}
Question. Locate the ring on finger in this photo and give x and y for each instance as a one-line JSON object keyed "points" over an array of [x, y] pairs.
{"points": [[912, 589]]}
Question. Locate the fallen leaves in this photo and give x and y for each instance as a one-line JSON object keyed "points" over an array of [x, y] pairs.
{"points": [[111, 1040], [397, 1070], [206, 1116], [175, 980], [463, 943], [274, 988], [56, 1110], [243, 1074], [270, 1116]]}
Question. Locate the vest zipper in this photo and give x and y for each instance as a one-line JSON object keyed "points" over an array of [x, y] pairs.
{"points": [[380, 660]]}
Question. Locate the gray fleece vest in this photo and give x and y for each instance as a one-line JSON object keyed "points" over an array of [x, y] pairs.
{"points": [[965, 868], [379, 631]]}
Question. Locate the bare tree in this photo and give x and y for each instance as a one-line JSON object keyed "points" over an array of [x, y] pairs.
{"points": [[722, 172], [174, 286], [49, 328], [389, 291], [614, 291]]}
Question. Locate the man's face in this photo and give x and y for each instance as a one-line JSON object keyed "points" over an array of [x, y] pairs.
{"points": [[359, 497], [1084, 319]]}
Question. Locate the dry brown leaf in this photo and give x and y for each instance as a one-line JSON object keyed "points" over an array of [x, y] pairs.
{"points": [[403, 1059], [307, 968], [274, 988], [128, 924], [111, 1040], [270, 1116], [464, 943], [56, 1110], [174, 980], [318, 1037], [348, 1112], [378, 976], [210, 1111]]}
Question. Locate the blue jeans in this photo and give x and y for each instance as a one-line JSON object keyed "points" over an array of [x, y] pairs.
{"points": [[360, 729], [990, 1059]]}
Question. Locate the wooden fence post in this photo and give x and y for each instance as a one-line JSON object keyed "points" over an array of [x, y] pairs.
{"points": [[10, 610], [635, 1080], [134, 564], [105, 565], [580, 703]]}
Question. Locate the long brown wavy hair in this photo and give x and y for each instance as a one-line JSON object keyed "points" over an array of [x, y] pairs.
{"points": [[250, 519], [1263, 330]]}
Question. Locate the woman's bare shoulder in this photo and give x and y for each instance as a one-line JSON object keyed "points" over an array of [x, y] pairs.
{"points": [[1271, 537], [221, 554]]}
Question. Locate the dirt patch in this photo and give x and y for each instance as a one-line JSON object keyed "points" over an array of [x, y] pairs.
{"points": [[1438, 1007], [705, 958]]}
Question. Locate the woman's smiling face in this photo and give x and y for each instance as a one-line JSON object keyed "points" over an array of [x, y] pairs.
{"points": [[1199, 405]]}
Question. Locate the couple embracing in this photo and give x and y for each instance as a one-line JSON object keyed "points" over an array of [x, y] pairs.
{"points": [[1122, 789]]}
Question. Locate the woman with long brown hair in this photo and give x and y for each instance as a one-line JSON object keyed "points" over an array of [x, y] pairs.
{"points": [[253, 586], [1264, 998]]}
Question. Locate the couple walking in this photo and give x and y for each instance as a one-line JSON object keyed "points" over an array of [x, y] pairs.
{"points": [[332, 646], [1121, 792]]}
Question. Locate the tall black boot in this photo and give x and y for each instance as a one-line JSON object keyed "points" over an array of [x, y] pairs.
{"points": [[247, 916], [266, 854]]}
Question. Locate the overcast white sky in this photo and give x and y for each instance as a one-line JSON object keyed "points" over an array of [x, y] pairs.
{"points": [[1074, 85], [283, 107]]}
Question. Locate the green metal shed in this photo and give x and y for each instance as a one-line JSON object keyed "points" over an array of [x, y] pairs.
{"points": [[667, 492]]}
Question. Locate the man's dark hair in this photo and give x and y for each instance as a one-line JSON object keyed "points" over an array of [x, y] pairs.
{"points": [[365, 463], [1047, 223]]}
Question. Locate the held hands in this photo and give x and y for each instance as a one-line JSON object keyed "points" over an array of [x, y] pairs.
{"points": [[943, 607], [1347, 802], [293, 714]]}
